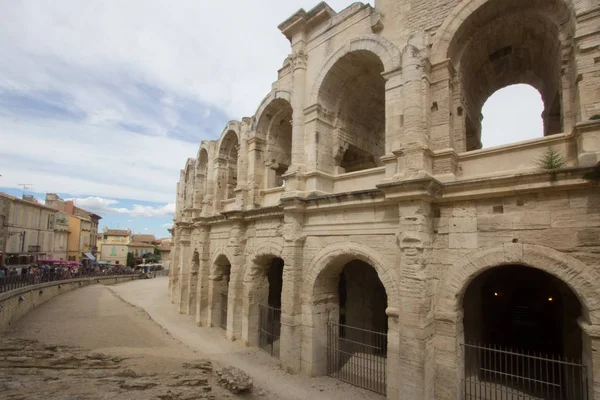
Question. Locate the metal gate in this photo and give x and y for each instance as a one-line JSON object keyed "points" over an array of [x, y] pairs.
{"points": [[492, 372], [269, 329], [223, 323], [357, 356]]}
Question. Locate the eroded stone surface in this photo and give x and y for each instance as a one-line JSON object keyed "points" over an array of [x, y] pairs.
{"points": [[234, 379], [29, 369]]}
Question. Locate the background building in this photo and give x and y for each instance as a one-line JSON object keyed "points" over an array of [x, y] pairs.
{"points": [[114, 245], [79, 239], [54, 201], [138, 249], [27, 231], [164, 249], [61, 236]]}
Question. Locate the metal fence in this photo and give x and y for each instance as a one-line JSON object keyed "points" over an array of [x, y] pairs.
{"points": [[12, 282], [493, 372], [357, 356], [269, 329], [223, 322]]}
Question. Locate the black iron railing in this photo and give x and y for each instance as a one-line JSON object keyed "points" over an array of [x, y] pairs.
{"points": [[269, 329], [498, 372], [357, 356], [12, 282]]}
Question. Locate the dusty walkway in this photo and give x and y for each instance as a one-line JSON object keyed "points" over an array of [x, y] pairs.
{"points": [[97, 319]]}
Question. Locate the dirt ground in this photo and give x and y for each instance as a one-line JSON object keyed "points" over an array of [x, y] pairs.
{"points": [[128, 342]]}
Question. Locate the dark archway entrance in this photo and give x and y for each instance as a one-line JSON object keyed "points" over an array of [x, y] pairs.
{"points": [[357, 341], [522, 337], [220, 291], [270, 308]]}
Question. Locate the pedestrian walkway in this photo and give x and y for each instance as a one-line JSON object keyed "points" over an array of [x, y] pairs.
{"points": [[151, 295]]}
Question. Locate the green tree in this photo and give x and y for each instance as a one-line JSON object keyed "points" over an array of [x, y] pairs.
{"points": [[551, 159], [130, 259]]}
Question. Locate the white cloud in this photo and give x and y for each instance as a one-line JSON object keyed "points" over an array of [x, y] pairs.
{"points": [[168, 225], [103, 206], [113, 67]]}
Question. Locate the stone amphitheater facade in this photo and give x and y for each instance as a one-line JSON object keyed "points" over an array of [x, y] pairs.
{"points": [[361, 182]]}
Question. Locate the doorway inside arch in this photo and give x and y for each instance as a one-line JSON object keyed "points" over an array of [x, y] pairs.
{"points": [[269, 307], [357, 327], [220, 291], [522, 337]]}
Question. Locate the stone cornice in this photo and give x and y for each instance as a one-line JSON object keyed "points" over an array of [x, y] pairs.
{"points": [[537, 181], [426, 188], [240, 215], [299, 21]]}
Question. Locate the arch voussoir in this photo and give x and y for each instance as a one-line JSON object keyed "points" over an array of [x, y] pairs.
{"points": [[575, 274]]}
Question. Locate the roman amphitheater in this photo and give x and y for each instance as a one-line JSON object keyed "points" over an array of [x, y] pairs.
{"points": [[354, 226]]}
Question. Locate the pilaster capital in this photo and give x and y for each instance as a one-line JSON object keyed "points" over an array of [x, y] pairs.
{"points": [[299, 60]]}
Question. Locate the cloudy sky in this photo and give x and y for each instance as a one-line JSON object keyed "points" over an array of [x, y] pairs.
{"points": [[103, 101]]}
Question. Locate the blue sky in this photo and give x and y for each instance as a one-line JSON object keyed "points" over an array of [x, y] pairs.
{"points": [[104, 101]]}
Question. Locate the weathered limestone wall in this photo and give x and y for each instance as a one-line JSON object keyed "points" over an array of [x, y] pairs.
{"points": [[340, 164], [16, 303]]}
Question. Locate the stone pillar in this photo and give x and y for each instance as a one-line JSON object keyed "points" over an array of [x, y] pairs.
{"points": [[291, 303], [236, 247], [415, 241], [588, 69], [203, 273], [184, 275], [176, 268], [255, 170], [195, 249], [171, 263], [293, 178], [221, 171], [209, 189], [394, 122], [199, 188], [591, 356], [242, 198], [415, 157], [299, 63]]}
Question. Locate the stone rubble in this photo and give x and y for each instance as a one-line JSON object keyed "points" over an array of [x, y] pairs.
{"points": [[235, 380], [30, 370]]}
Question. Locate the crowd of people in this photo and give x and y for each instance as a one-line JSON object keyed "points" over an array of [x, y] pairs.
{"points": [[39, 273], [42, 273]]}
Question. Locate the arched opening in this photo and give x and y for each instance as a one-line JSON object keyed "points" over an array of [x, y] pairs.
{"points": [[522, 336], [228, 166], [507, 42], [275, 124], [220, 291], [350, 302], [264, 286], [353, 95], [524, 105]]}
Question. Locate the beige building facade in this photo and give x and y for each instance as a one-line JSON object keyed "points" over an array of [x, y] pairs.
{"points": [[61, 236], [69, 207], [114, 245], [357, 207], [27, 230]]}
